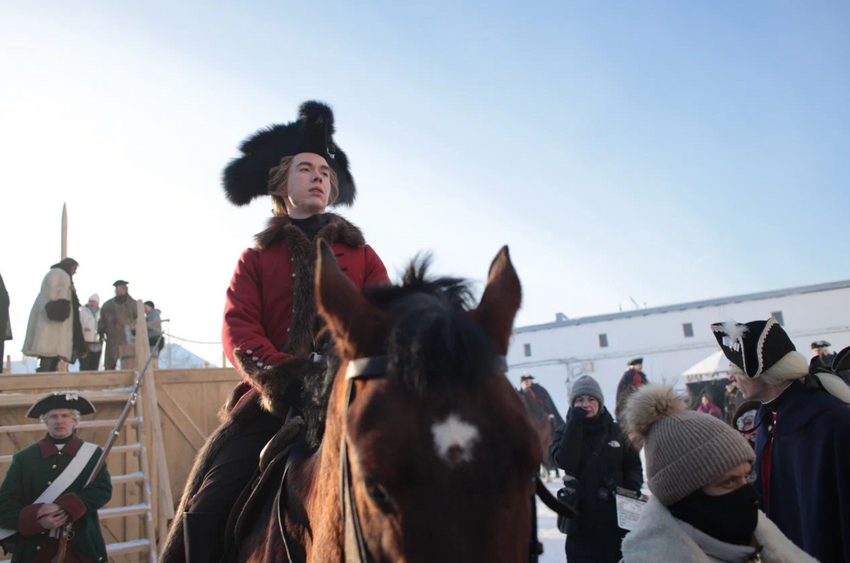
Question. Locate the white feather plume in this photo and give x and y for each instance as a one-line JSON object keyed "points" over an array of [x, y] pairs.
{"points": [[735, 332]]}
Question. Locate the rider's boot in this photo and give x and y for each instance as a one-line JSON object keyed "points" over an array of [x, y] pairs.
{"points": [[203, 534]]}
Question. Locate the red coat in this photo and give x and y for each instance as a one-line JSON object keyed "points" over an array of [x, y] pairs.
{"points": [[270, 307]]}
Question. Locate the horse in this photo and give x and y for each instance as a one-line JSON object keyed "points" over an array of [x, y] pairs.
{"points": [[426, 453], [543, 427]]}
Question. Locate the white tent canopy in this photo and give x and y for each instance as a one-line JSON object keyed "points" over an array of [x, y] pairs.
{"points": [[716, 366]]}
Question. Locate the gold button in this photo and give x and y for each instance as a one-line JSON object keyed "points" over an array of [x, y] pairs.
{"points": [[769, 428], [37, 548], [54, 467], [50, 482]]}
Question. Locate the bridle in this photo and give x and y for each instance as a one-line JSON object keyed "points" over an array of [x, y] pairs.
{"points": [[375, 367]]}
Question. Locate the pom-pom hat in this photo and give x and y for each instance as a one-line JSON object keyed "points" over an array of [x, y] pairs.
{"points": [[685, 450]]}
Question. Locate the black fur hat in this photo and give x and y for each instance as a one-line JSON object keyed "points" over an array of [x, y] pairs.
{"points": [[247, 177]]}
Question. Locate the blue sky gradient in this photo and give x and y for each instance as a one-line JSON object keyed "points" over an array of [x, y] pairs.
{"points": [[666, 151]]}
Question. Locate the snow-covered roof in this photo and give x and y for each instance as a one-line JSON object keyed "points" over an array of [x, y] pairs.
{"points": [[843, 284]]}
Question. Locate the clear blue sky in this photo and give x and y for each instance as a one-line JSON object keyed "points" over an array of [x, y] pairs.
{"points": [[668, 151]]}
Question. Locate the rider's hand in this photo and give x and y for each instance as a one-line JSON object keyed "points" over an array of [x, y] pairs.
{"points": [[51, 516]]}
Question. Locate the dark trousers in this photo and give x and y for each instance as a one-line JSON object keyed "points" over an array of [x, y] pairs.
{"points": [[47, 364], [91, 361], [600, 544]]}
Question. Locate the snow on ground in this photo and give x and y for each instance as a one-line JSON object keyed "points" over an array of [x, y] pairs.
{"points": [[547, 530]]}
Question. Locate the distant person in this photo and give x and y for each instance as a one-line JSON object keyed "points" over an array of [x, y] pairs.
{"points": [[154, 322], [5, 324], [538, 393], [596, 457], [89, 318], [54, 331], [117, 320], [629, 383], [802, 457], [707, 406], [822, 358], [43, 489]]}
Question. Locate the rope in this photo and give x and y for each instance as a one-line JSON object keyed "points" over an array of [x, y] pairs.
{"points": [[192, 341]]}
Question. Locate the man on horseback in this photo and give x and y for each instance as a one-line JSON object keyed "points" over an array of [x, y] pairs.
{"points": [[271, 326]]}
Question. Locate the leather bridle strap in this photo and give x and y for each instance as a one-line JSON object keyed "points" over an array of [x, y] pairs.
{"points": [[354, 541]]}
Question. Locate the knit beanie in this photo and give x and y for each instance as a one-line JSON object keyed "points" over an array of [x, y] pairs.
{"points": [[94, 297], [685, 449], [586, 385]]}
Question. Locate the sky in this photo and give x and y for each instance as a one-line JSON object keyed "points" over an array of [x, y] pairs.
{"points": [[656, 151]]}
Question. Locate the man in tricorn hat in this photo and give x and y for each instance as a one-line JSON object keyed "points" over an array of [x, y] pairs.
{"points": [[539, 394], [803, 428], [43, 489], [117, 320], [629, 383], [270, 330], [822, 357]]}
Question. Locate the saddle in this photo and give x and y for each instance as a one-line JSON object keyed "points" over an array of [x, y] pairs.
{"points": [[274, 460]]}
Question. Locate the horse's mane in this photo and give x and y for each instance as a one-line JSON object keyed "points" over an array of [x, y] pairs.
{"points": [[432, 342]]}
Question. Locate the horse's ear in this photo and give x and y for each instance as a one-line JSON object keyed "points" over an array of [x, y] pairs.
{"points": [[350, 318], [500, 302]]}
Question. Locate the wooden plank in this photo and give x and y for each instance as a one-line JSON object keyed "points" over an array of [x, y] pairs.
{"points": [[137, 477], [122, 511], [77, 381], [134, 546], [83, 424], [181, 420], [165, 376], [118, 395]]}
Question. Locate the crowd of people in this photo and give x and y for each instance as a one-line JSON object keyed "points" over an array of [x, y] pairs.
{"points": [[755, 486], [61, 329]]}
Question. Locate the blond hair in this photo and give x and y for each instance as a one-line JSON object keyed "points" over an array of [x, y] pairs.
{"points": [[278, 178]]}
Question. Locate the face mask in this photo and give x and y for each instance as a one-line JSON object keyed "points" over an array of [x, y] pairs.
{"points": [[730, 518]]}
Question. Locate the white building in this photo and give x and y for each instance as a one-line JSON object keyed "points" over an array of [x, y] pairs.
{"points": [[670, 339]]}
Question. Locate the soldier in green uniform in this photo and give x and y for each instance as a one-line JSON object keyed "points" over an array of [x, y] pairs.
{"points": [[43, 489]]}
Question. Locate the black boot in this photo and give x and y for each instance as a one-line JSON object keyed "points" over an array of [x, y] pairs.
{"points": [[203, 535]]}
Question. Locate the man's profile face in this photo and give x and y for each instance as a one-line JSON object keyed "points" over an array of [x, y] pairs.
{"points": [[750, 388], [638, 367], [121, 289], [526, 383], [60, 423], [308, 186], [822, 351]]}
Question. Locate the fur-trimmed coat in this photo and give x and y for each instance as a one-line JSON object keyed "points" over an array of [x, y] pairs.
{"points": [[659, 536], [52, 337], [271, 308]]}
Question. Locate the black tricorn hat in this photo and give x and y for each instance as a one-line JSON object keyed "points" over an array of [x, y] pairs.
{"points": [[247, 177], [636, 362], [120, 282], [61, 400], [820, 344], [526, 377], [754, 347]]}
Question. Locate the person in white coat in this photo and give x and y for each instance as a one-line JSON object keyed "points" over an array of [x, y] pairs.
{"points": [[54, 332], [704, 508], [89, 318]]}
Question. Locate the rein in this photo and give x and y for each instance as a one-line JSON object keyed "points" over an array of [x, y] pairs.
{"points": [[375, 367]]}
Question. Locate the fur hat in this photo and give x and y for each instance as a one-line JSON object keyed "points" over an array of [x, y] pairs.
{"points": [[685, 449], [754, 347], [247, 177], [586, 385]]}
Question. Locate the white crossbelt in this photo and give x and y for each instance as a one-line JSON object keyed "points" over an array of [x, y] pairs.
{"points": [[55, 490]]}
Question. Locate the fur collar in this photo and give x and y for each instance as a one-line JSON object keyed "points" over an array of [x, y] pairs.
{"points": [[659, 536], [337, 230]]}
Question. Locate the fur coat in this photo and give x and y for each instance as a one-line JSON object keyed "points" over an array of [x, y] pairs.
{"points": [[659, 536], [271, 308], [50, 331]]}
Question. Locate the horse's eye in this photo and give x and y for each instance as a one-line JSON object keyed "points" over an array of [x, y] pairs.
{"points": [[379, 496]]}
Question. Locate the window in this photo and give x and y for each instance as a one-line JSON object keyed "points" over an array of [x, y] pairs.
{"points": [[603, 340], [778, 316], [689, 329], [527, 349]]}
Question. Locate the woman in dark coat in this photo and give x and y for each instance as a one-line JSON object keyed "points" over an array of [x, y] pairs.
{"points": [[592, 449]]}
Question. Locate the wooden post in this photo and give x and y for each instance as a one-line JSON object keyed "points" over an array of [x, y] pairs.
{"points": [[142, 351], [223, 359], [64, 231], [8, 367]]}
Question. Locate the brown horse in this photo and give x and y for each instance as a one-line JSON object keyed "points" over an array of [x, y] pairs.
{"points": [[427, 454], [543, 427]]}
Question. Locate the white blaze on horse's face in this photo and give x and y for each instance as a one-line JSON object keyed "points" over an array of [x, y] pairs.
{"points": [[454, 439]]}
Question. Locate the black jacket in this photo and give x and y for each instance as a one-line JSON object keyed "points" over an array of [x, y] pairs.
{"points": [[618, 464]]}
